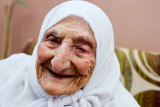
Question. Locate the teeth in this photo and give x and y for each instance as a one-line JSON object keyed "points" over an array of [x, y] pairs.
{"points": [[58, 75]]}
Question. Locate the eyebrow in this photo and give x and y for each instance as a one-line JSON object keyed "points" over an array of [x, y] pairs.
{"points": [[51, 32]]}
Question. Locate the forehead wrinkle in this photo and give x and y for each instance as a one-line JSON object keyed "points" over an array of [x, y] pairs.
{"points": [[62, 30], [74, 21]]}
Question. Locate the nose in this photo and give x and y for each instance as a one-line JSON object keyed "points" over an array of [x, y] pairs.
{"points": [[61, 59]]}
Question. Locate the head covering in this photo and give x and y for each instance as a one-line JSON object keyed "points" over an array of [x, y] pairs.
{"points": [[19, 86]]}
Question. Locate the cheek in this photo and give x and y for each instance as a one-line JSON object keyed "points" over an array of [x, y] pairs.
{"points": [[85, 66], [44, 53]]}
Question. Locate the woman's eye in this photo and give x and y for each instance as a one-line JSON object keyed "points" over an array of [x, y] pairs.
{"points": [[82, 50], [52, 38]]}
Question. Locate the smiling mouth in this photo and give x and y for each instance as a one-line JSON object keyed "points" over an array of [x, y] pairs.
{"points": [[59, 75]]}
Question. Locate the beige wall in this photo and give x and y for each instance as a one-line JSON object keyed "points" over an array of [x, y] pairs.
{"points": [[136, 23]]}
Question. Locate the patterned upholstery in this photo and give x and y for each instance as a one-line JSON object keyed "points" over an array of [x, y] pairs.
{"points": [[140, 74]]}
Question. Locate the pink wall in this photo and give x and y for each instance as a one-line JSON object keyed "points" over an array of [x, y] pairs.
{"points": [[136, 23]]}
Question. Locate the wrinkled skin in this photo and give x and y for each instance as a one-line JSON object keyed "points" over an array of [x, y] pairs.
{"points": [[66, 56]]}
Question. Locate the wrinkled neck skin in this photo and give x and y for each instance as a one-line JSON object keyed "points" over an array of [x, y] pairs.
{"points": [[66, 57]]}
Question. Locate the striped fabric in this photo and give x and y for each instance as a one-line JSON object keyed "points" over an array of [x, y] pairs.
{"points": [[140, 74]]}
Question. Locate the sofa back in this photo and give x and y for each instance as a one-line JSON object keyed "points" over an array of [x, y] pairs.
{"points": [[140, 74]]}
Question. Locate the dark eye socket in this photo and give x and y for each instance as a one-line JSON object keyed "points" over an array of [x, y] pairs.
{"points": [[52, 38], [82, 50]]}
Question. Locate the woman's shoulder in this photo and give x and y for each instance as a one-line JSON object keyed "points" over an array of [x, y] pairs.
{"points": [[14, 58], [10, 65], [12, 61]]}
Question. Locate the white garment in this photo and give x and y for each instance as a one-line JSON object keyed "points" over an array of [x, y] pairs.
{"points": [[18, 82]]}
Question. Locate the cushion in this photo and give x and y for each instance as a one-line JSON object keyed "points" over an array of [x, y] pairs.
{"points": [[140, 74]]}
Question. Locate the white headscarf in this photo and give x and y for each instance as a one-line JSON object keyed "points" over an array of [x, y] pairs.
{"points": [[18, 82]]}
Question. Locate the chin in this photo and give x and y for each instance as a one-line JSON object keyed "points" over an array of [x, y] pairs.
{"points": [[54, 90]]}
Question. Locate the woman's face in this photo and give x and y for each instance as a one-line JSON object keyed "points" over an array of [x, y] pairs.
{"points": [[66, 56]]}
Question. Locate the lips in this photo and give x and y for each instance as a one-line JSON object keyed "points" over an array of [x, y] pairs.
{"points": [[59, 75]]}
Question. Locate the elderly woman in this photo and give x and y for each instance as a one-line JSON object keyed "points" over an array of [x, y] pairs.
{"points": [[72, 65]]}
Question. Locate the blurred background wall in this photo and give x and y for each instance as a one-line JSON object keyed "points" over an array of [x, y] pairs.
{"points": [[136, 23]]}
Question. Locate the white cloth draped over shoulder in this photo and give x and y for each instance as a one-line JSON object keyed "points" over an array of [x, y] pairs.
{"points": [[18, 82]]}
